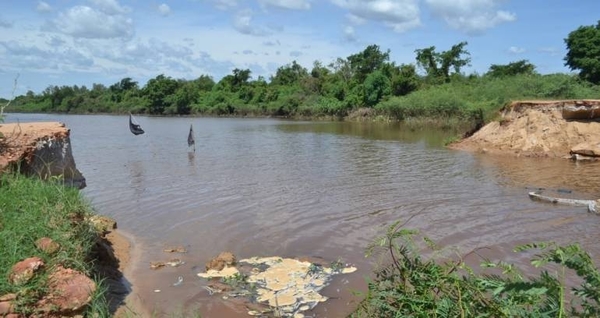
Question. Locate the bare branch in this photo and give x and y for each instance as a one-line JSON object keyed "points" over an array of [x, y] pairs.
{"points": [[12, 97]]}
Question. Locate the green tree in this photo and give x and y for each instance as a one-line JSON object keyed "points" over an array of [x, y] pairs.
{"points": [[511, 69], [182, 99], [234, 82], [120, 88], [368, 61], [289, 74], [157, 91], [404, 78], [376, 87], [583, 52], [438, 65], [205, 83], [314, 83]]}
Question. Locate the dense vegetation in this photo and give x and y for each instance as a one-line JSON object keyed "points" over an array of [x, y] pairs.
{"points": [[367, 80], [583, 46], [31, 209]]}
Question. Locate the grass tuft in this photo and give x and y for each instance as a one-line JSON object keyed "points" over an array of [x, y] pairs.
{"points": [[31, 209]]}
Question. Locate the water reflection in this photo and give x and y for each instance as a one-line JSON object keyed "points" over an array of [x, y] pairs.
{"points": [[371, 130], [191, 156], [553, 174], [137, 178]]}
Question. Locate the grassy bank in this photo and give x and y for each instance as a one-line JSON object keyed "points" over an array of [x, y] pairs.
{"points": [[461, 99], [31, 209], [413, 286]]}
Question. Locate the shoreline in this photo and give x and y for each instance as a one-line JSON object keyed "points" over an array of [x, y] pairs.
{"points": [[127, 253]]}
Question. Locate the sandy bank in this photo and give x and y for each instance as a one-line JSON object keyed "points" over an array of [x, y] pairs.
{"points": [[538, 129]]}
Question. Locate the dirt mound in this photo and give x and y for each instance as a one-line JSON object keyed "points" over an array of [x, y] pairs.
{"points": [[538, 129]]}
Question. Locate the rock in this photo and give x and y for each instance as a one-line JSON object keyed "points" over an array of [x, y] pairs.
{"points": [[6, 304], [69, 291], [219, 262], [47, 245], [586, 149], [176, 249], [24, 270], [103, 224]]}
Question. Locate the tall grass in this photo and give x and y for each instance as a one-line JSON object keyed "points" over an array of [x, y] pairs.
{"points": [[31, 209], [462, 98]]}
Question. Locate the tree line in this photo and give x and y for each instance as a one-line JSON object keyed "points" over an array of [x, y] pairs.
{"points": [[365, 80]]}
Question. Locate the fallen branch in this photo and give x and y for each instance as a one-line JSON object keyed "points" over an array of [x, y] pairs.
{"points": [[592, 205]]}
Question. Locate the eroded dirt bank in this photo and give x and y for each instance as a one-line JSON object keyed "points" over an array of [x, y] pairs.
{"points": [[43, 149], [560, 128]]}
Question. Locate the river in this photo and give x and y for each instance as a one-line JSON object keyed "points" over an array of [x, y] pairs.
{"points": [[266, 187]]}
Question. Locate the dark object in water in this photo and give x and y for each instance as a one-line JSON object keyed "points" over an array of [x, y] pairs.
{"points": [[191, 140], [136, 129]]}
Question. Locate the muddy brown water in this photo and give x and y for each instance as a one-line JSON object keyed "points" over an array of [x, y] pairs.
{"points": [[264, 187]]}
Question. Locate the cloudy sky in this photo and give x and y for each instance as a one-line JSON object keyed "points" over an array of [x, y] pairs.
{"points": [[81, 42]]}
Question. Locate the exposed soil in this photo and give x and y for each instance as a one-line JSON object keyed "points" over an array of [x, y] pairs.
{"points": [[538, 129], [113, 249], [19, 139]]}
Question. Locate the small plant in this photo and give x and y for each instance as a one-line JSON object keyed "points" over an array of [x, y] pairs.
{"points": [[336, 266], [237, 280], [314, 269], [415, 287]]}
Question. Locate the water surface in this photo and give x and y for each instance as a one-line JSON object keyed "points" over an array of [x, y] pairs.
{"points": [[269, 187]]}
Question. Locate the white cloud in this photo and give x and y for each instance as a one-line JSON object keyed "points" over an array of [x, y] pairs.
{"points": [[516, 50], [355, 20], [87, 22], [242, 22], [164, 10], [349, 33], [287, 4], [400, 15], [43, 7], [55, 41], [224, 4], [470, 16], [32, 57], [110, 7]]}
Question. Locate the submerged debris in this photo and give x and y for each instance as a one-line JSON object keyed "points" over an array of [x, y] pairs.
{"points": [[219, 262], [285, 287], [179, 281], [173, 263], [176, 249]]}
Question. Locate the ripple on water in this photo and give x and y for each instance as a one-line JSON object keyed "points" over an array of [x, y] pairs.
{"points": [[267, 187]]}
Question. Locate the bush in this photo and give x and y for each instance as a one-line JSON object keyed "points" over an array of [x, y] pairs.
{"points": [[411, 286]]}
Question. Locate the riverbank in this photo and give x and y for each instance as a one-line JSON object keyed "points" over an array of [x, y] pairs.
{"points": [[136, 174], [554, 129], [78, 260], [54, 251]]}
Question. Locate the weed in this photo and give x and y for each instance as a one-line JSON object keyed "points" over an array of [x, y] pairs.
{"points": [[415, 287]]}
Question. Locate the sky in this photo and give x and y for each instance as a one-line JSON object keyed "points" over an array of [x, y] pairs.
{"points": [[82, 42]]}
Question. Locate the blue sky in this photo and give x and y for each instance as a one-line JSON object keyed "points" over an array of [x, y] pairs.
{"points": [[81, 42]]}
